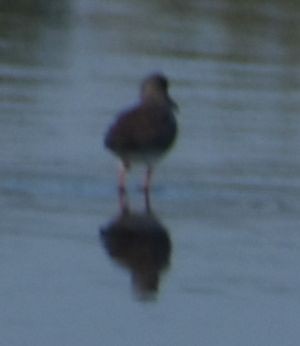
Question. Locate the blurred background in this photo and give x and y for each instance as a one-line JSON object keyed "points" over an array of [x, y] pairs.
{"points": [[213, 257]]}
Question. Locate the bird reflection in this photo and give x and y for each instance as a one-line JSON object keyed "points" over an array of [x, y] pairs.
{"points": [[140, 243]]}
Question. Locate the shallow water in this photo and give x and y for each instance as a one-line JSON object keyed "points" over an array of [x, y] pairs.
{"points": [[217, 256]]}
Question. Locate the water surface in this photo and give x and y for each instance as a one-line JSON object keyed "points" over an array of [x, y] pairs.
{"points": [[220, 254]]}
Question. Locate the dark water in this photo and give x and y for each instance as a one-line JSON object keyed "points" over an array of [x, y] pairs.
{"points": [[214, 259]]}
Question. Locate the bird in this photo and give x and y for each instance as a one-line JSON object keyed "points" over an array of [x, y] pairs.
{"points": [[144, 133]]}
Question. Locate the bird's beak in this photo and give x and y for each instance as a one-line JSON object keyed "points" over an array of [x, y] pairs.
{"points": [[173, 104]]}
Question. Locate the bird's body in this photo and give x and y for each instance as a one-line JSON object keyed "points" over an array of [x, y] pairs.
{"points": [[142, 134], [145, 132]]}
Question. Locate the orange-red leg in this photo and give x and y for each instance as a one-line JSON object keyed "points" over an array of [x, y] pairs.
{"points": [[122, 177]]}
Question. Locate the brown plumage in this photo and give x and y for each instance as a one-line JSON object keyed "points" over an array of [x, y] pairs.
{"points": [[145, 132]]}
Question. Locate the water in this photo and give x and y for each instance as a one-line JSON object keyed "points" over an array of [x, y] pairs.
{"points": [[220, 243]]}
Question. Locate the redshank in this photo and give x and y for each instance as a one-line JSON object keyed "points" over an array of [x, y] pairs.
{"points": [[145, 132]]}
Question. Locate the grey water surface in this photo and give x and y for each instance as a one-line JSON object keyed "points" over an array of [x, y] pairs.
{"points": [[213, 257]]}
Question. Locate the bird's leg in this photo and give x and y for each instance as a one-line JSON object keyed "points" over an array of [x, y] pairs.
{"points": [[122, 176], [148, 177], [123, 201]]}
